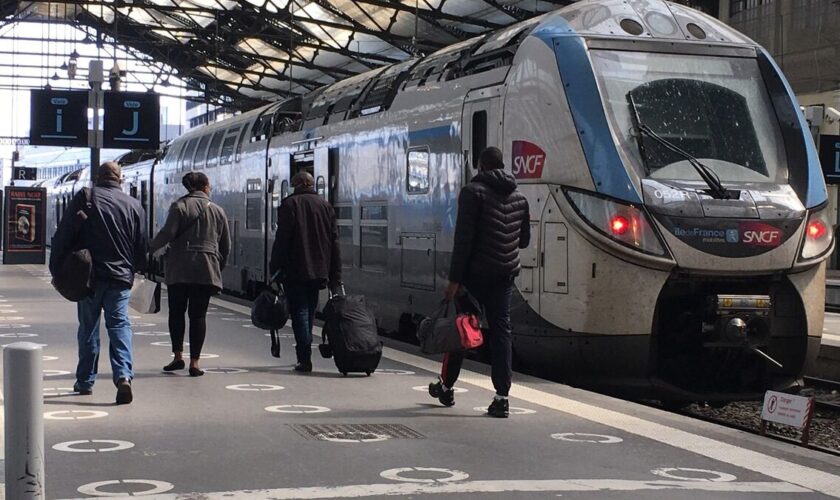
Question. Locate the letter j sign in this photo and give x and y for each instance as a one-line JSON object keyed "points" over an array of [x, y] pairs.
{"points": [[132, 120]]}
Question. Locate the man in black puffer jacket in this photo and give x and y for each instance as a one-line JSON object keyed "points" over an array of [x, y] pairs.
{"points": [[493, 224]]}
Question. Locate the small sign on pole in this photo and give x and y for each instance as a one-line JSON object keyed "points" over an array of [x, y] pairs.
{"points": [[786, 409]]}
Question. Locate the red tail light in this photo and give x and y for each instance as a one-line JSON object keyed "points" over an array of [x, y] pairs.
{"points": [[619, 225], [816, 230]]}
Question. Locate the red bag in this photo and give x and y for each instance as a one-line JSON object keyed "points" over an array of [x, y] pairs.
{"points": [[468, 329]]}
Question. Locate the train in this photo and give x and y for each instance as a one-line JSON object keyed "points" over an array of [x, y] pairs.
{"points": [[678, 211]]}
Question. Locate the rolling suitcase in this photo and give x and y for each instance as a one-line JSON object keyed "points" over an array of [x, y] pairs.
{"points": [[350, 335]]}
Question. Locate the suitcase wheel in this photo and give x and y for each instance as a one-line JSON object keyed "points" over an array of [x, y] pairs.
{"points": [[344, 373], [368, 374]]}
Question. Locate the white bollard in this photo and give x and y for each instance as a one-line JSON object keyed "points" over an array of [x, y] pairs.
{"points": [[24, 412]]}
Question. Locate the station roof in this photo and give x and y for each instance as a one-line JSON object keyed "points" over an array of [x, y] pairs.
{"points": [[240, 53]]}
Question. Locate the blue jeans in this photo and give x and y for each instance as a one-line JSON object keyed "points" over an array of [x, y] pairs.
{"points": [[113, 297], [303, 300]]}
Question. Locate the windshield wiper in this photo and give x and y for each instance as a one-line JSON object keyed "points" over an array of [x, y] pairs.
{"points": [[707, 174]]}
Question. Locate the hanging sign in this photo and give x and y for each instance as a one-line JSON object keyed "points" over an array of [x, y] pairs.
{"points": [[132, 120], [58, 118]]}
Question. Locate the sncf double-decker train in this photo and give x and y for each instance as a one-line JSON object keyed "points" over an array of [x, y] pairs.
{"points": [[678, 210]]}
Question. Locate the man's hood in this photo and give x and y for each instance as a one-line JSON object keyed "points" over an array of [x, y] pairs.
{"points": [[498, 180]]}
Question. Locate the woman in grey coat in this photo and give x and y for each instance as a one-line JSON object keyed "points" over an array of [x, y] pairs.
{"points": [[196, 231]]}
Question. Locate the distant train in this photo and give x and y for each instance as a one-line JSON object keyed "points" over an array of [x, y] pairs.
{"points": [[679, 216]]}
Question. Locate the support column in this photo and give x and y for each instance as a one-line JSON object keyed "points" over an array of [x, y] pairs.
{"points": [[24, 421]]}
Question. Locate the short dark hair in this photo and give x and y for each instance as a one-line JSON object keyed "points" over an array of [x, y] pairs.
{"points": [[490, 159], [195, 181]]}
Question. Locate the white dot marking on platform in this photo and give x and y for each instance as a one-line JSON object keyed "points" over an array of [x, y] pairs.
{"points": [[255, 387], [583, 437], [203, 356], [93, 489], [18, 335], [352, 437], [282, 335], [11, 318], [394, 371], [36, 344], [115, 445], [397, 475], [224, 370], [14, 325], [668, 472], [49, 358], [297, 409], [152, 334], [425, 388], [247, 325], [55, 373], [58, 391], [135, 317], [165, 343], [142, 324], [74, 414], [514, 410]]}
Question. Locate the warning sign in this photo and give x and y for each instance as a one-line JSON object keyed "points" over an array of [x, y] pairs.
{"points": [[786, 409]]}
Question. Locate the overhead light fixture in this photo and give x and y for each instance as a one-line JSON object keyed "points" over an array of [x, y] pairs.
{"points": [[55, 77]]}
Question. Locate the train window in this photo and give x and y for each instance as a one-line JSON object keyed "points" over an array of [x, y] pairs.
{"points": [[240, 143], [374, 248], [344, 213], [213, 150], [345, 243], [274, 210], [284, 190], [417, 175], [201, 153], [185, 161], [253, 210], [132, 190], [375, 212], [479, 135], [321, 186], [228, 146], [373, 237], [717, 109]]}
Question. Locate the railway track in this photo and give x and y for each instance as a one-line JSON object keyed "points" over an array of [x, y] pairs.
{"points": [[825, 392]]}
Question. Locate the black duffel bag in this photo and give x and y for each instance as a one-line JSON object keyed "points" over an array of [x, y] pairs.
{"points": [[270, 311], [74, 277]]}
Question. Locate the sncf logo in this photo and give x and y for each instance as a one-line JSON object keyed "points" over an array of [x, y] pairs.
{"points": [[528, 160], [757, 233]]}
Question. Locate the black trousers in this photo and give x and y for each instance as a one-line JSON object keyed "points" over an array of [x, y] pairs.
{"points": [[494, 296], [192, 299]]}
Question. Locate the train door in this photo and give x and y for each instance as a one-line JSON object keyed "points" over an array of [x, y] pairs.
{"points": [[278, 188], [481, 125]]}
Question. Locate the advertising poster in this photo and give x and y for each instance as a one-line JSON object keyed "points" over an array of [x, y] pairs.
{"points": [[24, 226]]}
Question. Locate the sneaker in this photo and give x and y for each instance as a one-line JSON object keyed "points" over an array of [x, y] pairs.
{"points": [[446, 398], [124, 396], [499, 408], [82, 392], [303, 367]]}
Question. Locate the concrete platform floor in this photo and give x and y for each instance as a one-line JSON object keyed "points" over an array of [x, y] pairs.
{"points": [[251, 428]]}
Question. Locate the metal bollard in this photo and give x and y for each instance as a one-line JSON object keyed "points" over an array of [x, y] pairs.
{"points": [[24, 412]]}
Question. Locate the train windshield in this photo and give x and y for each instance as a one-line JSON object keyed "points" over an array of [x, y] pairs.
{"points": [[716, 109]]}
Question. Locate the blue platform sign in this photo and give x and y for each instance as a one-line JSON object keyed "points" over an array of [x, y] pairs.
{"points": [[58, 118], [830, 158], [132, 120]]}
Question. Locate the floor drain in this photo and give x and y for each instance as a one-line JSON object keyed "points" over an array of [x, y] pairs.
{"points": [[356, 433]]}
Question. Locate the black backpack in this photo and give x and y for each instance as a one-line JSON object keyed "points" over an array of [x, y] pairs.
{"points": [[74, 278]]}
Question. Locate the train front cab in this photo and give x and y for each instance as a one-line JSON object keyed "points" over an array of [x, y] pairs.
{"points": [[644, 277]]}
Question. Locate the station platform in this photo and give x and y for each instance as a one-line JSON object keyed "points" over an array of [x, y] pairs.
{"points": [[252, 428]]}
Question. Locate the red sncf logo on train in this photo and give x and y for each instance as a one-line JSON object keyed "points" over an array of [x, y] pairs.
{"points": [[760, 234], [528, 160]]}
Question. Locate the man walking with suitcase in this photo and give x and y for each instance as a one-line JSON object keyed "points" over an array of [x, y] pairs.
{"points": [[493, 224], [306, 254]]}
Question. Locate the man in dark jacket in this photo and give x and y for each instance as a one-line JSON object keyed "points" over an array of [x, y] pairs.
{"points": [[306, 255], [115, 234], [493, 224]]}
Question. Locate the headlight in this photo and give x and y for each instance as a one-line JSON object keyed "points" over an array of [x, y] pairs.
{"points": [[621, 222], [818, 235]]}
